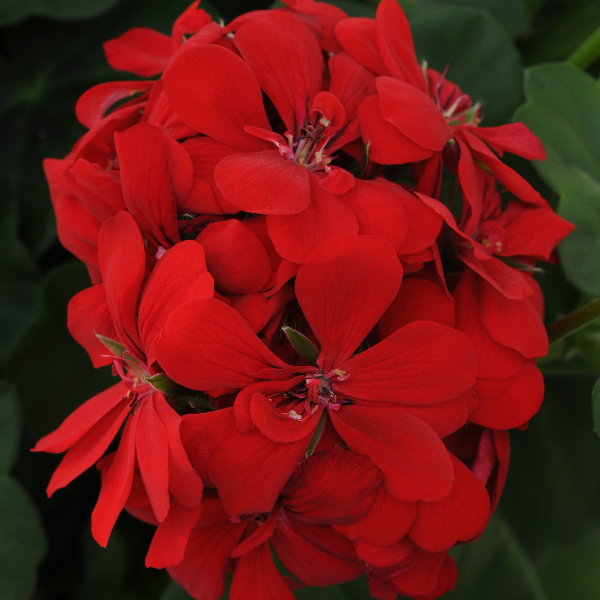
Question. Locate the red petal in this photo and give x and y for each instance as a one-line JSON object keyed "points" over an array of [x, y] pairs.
{"points": [[256, 571], [515, 138], [250, 471], [378, 209], [235, 257], [93, 103], [202, 571], [394, 38], [461, 515], [514, 406], [206, 345], [343, 288], [261, 534], [88, 315], [279, 426], [122, 262], [98, 189], [265, 183], [413, 459], [327, 16], [287, 61], [318, 491], [171, 537], [419, 573], [514, 323], [152, 452], [180, 275], [388, 146], [384, 556], [140, 50], [89, 448], [149, 174], [184, 483], [358, 37], [116, 484], [81, 420], [424, 224], [326, 217], [215, 92], [315, 554], [386, 521], [413, 113], [339, 181], [422, 363]]}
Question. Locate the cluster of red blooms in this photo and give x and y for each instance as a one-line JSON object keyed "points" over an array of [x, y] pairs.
{"points": [[320, 345]]}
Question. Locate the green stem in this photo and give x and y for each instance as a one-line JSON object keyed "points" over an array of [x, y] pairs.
{"points": [[317, 436], [576, 320], [587, 52]]}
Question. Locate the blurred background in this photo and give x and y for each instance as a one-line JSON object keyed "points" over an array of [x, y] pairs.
{"points": [[544, 541]]}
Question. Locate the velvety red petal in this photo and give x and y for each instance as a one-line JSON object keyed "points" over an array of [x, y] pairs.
{"points": [[171, 537], [422, 363], [287, 61], [358, 37], [256, 571], [515, 138], [338, 181], [315, 554], [262, 532], [424, 224], [413, 459], [420, 579], [327, 15], [149, 173], [250, 471], [343, 288], [265, 183], [318, 491], [93, 103], [81, 420], [514, 406], [413, 113], [89, 448], [394, 38], [116, 484], [215, 92], [514, 323], [152, 452], [388, 145], [235, 257], [122, 262], [206, 345], [279, 426], [378, 209], [201, 434], [202, 571], [386, 521], [99, 190], [140, 50], [417, 300], [461, 515], [180, 275], [88, 315], [327, 216], [384, 556]]}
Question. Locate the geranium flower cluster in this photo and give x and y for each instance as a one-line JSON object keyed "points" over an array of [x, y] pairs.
{"points": [[312, 275]]}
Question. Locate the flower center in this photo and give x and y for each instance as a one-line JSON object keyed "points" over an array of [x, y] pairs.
{"points": [[133, 374], [307, 148]]}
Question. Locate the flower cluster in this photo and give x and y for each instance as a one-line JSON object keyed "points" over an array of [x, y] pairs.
{"points": [[313, 277]]}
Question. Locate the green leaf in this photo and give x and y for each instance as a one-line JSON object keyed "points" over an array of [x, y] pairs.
{"points": [[481, 57], [496, 567], [13, 11], [563, 110], [10, 426], [22, 542], [303, 346], [596, 406], [512, 14], [572, 571], [53, 373]]}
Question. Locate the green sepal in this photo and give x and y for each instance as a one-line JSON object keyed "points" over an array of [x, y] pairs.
{"points": [[114, 346], [165, 384], [317, 436], [303, 346]]}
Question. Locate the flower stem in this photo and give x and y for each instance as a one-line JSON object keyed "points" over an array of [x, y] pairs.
{"points": [[585, 54], [573, 322]]}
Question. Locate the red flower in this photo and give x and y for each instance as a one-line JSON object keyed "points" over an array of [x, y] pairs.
{"points": [[380, 400]]}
